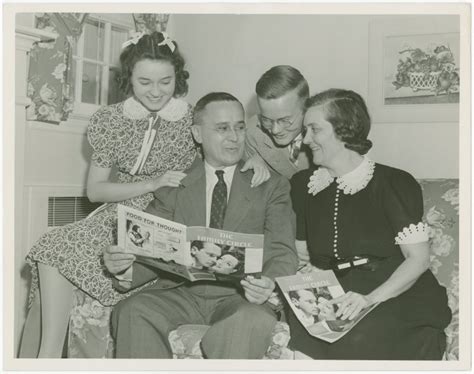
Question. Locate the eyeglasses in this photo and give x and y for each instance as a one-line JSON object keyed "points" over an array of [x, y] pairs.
{"points": [[268, 123]]}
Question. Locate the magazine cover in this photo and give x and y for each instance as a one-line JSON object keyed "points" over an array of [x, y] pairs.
{"points": [[309, 297], [195, 253]]}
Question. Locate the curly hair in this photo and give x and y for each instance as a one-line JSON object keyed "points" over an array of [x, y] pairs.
{"points": [[348, 115], [148, 48]]}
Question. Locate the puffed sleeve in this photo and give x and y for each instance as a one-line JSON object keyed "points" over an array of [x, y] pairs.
{"points": [[403, 206], [299, 193], [102, 137]]}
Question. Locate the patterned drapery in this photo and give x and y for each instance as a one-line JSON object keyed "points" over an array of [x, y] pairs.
{"points": [[149, 22], [51, 77], [50, 74]]}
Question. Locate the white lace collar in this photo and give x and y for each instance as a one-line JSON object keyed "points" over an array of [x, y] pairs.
{"points": [[349, 183], [174, 110]]}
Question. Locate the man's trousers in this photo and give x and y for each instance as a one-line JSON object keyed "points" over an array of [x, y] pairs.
{"points": [[239, 329]]}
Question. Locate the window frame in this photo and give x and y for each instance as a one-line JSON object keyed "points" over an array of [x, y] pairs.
{"points": [[83, 111]]}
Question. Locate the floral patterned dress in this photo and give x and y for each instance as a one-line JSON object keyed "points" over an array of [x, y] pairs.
{"points": [[116, 134]]}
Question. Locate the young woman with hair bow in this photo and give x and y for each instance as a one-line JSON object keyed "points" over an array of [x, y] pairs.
{"points": [[147, 139]]}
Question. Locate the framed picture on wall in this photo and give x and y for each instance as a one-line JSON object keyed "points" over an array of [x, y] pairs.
{"points": [[414, 70]]}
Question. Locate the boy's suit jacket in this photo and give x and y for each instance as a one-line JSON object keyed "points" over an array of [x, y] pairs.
{"points": [[265, 209]]}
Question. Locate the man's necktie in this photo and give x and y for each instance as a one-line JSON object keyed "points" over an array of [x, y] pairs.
{"points": [[295, 148], [219, 202]]}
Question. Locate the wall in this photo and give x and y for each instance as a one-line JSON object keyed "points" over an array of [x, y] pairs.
{"points": [[227, 52], [230, 52]]}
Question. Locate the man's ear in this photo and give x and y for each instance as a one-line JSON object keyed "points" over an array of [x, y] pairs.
{"points": [[196, 130], [295, 301]]}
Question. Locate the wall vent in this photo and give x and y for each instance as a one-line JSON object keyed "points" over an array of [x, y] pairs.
{"points": [[64, 210]]}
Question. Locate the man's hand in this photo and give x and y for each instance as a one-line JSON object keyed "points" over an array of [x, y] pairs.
{"points": [[260, 170], [257, 291], [116, 260]]}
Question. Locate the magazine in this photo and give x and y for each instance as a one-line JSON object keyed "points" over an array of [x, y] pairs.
{"points": [[308, 296], [195, 253]]}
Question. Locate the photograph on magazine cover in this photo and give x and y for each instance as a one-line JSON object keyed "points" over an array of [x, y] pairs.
{"points": [[237, 182], [313, 298], [194, 253]]}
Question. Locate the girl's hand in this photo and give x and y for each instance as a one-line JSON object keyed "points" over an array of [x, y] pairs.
{"points": [[350, 305], [172, 178]]}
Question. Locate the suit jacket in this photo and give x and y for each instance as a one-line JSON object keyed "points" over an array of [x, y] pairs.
{"points": [[277, 158], [265, 209]]}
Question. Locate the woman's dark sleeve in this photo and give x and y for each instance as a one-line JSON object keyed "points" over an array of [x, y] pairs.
{"points": [[403, 206]]}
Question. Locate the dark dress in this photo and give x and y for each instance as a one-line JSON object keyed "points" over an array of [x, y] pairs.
{"points": [[407, 327]]}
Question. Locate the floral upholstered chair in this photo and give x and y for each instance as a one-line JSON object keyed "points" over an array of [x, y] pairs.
{"points": [[89, 333], [89, 329], [185, 343], [441, 206]]}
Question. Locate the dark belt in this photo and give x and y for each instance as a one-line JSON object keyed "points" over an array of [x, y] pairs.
{"points": [[361, 262]]}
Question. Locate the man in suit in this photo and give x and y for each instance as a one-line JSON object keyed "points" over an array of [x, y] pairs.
{"points": [[214, 193], [274, 137]]}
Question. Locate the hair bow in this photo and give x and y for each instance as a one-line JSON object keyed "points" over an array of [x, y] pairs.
{"points": [[168, 41], [136, 36]]}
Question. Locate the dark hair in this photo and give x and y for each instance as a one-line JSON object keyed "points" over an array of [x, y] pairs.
{"points": [[198, 244], [212, 97], [322, 292], [135, 227], [295, 295], [280, 80], [348, 115], [238, 253], [147, 48]]}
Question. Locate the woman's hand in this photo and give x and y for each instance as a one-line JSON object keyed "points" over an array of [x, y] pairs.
{"points": [[350, 305], [260, 170], [171, 178]]}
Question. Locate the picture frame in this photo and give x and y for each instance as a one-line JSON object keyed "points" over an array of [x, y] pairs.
{"points": [[414, 70]]}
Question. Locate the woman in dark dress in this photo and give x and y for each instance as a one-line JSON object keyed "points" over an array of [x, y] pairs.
{"points": [[366, 217]]}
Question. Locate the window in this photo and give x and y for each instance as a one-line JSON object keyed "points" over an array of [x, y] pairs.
{"points": [[96, 61]]}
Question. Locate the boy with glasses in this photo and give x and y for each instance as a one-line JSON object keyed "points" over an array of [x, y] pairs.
{"points": [[274, 137]]}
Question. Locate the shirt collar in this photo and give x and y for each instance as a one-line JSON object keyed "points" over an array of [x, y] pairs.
{"points": [[174, 110], [296, 141], [350, 183], [211, 172]]}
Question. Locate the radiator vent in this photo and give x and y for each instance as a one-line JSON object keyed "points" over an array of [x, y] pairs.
{"points": [[64, 210]]}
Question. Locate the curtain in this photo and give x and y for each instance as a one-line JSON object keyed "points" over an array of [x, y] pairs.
{"points": [[149, 22], [50, 76]]}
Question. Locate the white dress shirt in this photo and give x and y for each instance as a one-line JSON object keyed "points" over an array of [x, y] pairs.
{"points": [[211, 180]]}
